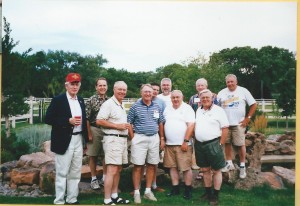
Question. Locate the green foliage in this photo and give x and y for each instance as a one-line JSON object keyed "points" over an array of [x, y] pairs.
{"points": [[34, 136], [12, 148], [48, 185]]}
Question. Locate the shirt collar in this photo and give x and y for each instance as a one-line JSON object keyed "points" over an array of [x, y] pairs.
{"points": [[141, 101], [69, 96]]}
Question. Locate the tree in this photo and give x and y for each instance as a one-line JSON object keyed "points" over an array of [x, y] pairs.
{"points": [[12, 87], [286, 96]]}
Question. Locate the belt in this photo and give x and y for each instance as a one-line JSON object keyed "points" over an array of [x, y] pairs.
{"points": [[147, 134], [210, 141], [76, 133], [117, 135], [95, 125]]}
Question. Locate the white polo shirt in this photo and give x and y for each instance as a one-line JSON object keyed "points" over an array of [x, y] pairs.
{"points": [[112, 111], [176, 123], [209, 123]]}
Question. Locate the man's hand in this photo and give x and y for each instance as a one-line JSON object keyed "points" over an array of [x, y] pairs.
{"points": [[184, 146]]}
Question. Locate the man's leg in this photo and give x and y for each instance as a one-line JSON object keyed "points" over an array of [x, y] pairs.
{"points": [[93, 164], [242, 154], [228, 151], [149, 178], [188, 176], [112, 171]]}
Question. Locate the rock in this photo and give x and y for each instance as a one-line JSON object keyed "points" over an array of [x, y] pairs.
{"points": [[86, 172], [287, 147], [273, 180], [85, 160], [273, 137], [85, 188], [248, 142], [257, 150], [253, 179], [34, 160], [287, 175], [21, 176], [286, 137], [8, 166], [46, 148], [271, 146], [47, 178]]}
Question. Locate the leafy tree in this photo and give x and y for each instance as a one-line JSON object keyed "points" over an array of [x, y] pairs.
{"points": [[286, 96], [12, 102]]}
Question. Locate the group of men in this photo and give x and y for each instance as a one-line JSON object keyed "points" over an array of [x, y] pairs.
{"points": [[153, 123]]}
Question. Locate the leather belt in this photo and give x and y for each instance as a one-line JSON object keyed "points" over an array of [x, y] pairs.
{"points": [[76, 133], [210, 141], [117, 135]]}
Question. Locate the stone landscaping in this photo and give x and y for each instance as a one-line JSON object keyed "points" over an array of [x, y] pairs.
{"points": [[33, 175]]}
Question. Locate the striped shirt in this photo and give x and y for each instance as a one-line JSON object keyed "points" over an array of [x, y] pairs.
{"points": [[145, 119]]}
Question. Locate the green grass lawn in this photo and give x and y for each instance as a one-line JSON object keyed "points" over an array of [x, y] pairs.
{"points": [[229, 196]]}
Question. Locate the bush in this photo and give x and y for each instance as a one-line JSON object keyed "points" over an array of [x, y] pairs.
{"points": [[35, 136], [12, 148], [259, 124]]}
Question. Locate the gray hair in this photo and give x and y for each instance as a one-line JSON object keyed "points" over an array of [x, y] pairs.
{"points": [[206, 91], [204, 81], [176, 91], [230, 75], [165, 79], [120, 84], [145, 85]]}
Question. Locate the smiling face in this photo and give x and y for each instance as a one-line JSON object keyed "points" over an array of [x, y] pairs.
{"points": [[120, 90], [166, 87], [155, 91], [176, 98], [201, 86], [101, 87], [206, 99], [231, 83], [146, 93]]}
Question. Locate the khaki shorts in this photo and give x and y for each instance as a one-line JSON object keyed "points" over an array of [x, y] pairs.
{"points": [[175, 157], [115, 150], [145, 149], [236, 135], [95, 148]]}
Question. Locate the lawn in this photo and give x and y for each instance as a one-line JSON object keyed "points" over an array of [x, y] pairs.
{"points": [[229, 196]]}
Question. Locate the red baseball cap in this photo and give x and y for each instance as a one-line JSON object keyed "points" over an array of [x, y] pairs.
{"points": [[73, 77]]}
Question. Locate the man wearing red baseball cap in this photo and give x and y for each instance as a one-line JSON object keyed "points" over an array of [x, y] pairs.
{"points": [[66, 114]]}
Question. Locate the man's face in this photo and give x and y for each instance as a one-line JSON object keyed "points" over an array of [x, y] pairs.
{"points": [[231, 83], [101, 87], [147, 93], [155, 91], [166, 87], [72, 88], [200, 86], [206, 100], [176, 99], [120, 92]]}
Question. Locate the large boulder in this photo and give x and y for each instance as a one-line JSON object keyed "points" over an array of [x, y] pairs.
{"points": [[46, 148], [287, 147], [287, 175], [27, 176], [6, 169], [273, 180], [36, 160]]}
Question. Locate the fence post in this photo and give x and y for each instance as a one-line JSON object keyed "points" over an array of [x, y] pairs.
{"points": [[13, 122], [31, 110]]}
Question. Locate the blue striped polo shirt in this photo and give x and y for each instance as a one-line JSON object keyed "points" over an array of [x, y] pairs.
{"points": [[145, 119]]}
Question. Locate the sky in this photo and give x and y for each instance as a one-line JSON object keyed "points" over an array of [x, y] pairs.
{"points": [[146, 35]]}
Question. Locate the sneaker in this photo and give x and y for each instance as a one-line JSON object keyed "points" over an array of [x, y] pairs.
{"points": [[95, 185], [137, 198], [110, 203], [243, 173], [158, 189], [119, 201], [101, 182], [228, 167], [150, 196]]}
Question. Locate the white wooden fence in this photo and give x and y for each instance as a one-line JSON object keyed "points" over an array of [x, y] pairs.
{"points": [[37, 107]]}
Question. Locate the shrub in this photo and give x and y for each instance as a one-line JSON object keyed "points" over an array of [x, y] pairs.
{"points": [[259, 124], [35, 136]]}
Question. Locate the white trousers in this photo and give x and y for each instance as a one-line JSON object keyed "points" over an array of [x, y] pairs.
{"points": [[68, 171]]}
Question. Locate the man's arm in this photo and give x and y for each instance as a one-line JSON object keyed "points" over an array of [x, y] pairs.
{"points": [[187, 136], [224, 134], [251, 112]]}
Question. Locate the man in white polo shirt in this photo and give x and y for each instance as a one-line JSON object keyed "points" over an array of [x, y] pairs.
{"points": [[210, 132], [112, 117], [179, 126]]}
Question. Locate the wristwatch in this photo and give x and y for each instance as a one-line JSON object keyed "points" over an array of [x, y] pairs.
{"points": [[186, 140]]}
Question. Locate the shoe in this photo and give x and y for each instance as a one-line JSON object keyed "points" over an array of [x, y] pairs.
{"points": [[150, 196], [137, 199], [110, 203], [74, 203], [95, 184], [158, 189], [187, 192], [119, 201], [101, 182], [228, 167], [213, 201], [243, 173]]}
